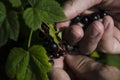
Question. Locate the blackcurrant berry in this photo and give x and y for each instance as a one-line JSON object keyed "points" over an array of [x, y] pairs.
{"points": [[56, 55], [75, 49], [53, 47], [85, 20], [46, 44], [62, 53], [94, 16], [77, 19], [103, 13], [69, 47], [51, 56]]}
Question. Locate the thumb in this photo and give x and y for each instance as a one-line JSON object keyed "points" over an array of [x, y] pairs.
{"points": [[89, 69], [73, 8]]}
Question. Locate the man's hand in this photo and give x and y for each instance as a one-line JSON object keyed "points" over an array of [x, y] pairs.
{"points": [[102, 35], [82, 68]]}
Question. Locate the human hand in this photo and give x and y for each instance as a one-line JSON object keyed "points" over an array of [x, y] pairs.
{"points": [[82, 68], [103, 36]]}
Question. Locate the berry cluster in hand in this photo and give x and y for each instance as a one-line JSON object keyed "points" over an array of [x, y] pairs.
{"points": [[88, 19], [56, 50]]}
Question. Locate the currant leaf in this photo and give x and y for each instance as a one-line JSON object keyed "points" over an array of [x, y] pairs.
{"points": [[13, 25], [9, 28], [95, 54], [42, 11], [2, 13], [113, 60], [15, 3], [39, 62], [53, 33], [17, 63], [33, 3], [28, 65], [32, 18], [4, 34], [50, 11]]}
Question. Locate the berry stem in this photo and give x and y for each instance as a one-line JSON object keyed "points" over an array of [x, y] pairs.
{"points": [[30, 38]]}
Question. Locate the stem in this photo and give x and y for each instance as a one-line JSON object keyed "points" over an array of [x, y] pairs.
{"points": [[30, 38]]}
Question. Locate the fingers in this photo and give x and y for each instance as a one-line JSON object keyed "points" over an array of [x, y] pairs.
{"points": [[88, 69], [110, 42], [58, 63], [57, 72], [72, 8], [91, 38], [73, 34]]}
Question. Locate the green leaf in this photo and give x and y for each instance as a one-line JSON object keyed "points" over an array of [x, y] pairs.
{"points": [[2, 13], [40, 54], [33, 2], [42, 11], [113, 60], [60, 35], [3, 36], [13, 24], [40, 61], [29, 74], [15, 3], [28, 65], [17, 63], [9, 28], [32, 18], [95, 55], [53, 33], [50, 11]]}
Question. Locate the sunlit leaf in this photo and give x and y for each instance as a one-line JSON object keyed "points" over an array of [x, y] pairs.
{"points": [[32, 18], [17, 63], [53, 33], [51, 11], [39, 62]]}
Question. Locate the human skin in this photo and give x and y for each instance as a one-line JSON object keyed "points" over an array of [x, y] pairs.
{"points": [[108, 38], [102, 36]]}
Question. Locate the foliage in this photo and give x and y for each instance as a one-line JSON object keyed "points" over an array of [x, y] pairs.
{"points": [[22, 54], [20, 21]]}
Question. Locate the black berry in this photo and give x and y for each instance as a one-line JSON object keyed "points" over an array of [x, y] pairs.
{"points": [[69, 47], [85, 20], [103, 13], [94, 16], [56, 55], [53, 47], [51, 56], [46, 44], [62, 53], [77, 19]]}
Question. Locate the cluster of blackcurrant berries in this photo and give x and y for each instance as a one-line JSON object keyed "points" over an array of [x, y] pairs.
{"points": [[54, 50], [87, 19]]}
